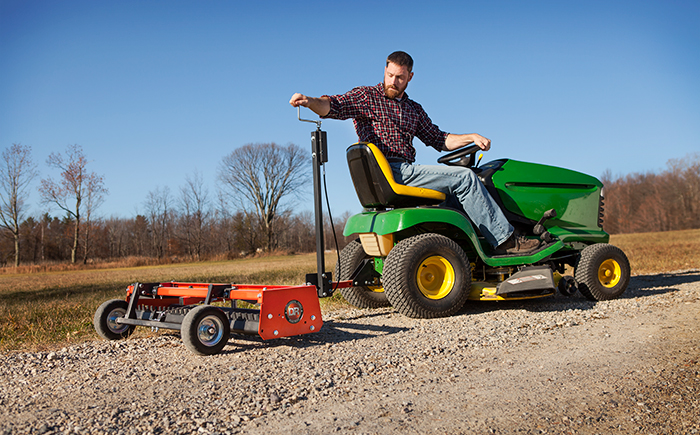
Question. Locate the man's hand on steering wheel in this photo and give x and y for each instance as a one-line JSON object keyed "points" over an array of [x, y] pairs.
{"points": [[462, 157], [465, 147], [482, 142]]}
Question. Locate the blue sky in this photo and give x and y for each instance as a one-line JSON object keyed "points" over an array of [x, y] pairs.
{"points": [[154, 90]]}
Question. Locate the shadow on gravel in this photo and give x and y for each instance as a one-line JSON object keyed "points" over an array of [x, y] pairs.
{"points": [[651, 283], [338, 332], [331, 333]]}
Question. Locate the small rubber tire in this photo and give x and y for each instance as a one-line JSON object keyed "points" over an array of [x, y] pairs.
{"points": [[602, 272], [427, 276], [105, 320], [205, 330], [567, 286], [361, 296]]}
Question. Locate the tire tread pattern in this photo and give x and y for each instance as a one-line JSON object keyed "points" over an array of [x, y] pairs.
{"points": [[100, 320], [399, 273], [586, 272], [361, 297]]}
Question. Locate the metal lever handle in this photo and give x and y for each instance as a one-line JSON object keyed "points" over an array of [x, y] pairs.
{"points": [[318, 123]]}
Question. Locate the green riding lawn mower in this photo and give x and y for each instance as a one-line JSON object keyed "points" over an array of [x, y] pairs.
{"points": [[426, 259], [413, 253]]}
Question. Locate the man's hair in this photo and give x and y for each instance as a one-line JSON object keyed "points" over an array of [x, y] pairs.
{"points": [[401, 58]]}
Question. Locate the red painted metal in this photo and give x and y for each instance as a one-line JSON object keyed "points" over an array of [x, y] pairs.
{"points": [[280, 309], [285, 311]]}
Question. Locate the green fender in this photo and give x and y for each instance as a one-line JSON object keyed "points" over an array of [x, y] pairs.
{"points": [[392, 221], [387, 222]]}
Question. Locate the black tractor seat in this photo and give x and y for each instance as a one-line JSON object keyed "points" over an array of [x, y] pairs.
{"points": [[375, 184]]}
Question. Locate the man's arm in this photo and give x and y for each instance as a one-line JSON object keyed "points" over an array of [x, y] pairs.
{"points": [[321, 106], [454, 141]]}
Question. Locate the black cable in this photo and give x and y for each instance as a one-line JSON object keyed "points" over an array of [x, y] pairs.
{"points": [[330, 217]]}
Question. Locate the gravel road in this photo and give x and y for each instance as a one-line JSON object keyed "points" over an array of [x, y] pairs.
{"points": [[556, 365]]}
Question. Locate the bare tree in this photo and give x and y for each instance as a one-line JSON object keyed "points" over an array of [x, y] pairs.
{"points": [[261, 176], [77, 192], [223, 229], [17, 170], [158, 209], [94, 197], [194, 203], [116, 237]]}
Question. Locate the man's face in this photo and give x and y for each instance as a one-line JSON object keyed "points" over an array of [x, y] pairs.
{"points": [[396, 79]]}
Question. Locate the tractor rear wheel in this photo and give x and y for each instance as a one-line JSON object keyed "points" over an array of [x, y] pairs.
{"points": [[602, 272], [105, 320], [361, 296], [205, 330], [427, 276]]}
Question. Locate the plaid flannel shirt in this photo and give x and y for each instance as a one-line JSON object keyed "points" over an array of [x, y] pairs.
{"points": [[389, 124]]}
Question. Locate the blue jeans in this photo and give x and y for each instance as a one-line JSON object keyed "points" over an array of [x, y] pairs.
{"points": [[462, 184]]}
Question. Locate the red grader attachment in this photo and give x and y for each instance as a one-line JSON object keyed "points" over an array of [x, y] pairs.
{"points": [[199, 311], [206, 314]]}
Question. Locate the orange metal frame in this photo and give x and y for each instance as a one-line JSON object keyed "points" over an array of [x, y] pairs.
{"points": [[285, 311]]}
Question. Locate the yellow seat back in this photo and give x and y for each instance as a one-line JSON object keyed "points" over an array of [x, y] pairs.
{"points": [[375, 184]]}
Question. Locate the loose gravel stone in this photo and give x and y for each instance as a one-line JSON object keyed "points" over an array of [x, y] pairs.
{"points": [[371, 371]]}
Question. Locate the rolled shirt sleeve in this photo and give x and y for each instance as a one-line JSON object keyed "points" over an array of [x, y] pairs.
{"points": [[388, 123]]}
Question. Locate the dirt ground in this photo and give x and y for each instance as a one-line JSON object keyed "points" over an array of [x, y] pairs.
{"points": [[621, 374], [551, 366]]}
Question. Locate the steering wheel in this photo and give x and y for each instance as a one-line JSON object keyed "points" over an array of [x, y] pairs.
{"points": [[462, 157]]}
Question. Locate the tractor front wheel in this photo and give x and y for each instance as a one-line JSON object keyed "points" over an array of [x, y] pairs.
{"points": [[602, 272], [361, 296], [427, 276], [205, 330]]}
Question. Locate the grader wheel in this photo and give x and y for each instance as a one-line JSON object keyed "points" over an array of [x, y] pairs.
{"points": [[105, 320]]}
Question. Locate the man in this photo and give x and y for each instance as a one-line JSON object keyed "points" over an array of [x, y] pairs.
{"points": [[385, 116]]}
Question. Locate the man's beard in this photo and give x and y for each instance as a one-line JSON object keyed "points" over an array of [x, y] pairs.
{"points": [[392, 91]]}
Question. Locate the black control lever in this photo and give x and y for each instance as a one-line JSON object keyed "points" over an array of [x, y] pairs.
{"points": [[540, 230]]}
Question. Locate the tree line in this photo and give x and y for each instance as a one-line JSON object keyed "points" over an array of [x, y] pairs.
{"points": [[223, 236], [252, 212], [650, 202]]}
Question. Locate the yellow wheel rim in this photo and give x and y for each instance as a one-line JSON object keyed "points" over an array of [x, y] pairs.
{"points": [[435, 277], [375, 289], [609, 273]]}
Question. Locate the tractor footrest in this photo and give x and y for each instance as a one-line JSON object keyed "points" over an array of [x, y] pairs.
{"points": [[528, 279]]}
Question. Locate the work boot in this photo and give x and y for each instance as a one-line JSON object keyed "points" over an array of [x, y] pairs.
{"points": [[517, 245]]}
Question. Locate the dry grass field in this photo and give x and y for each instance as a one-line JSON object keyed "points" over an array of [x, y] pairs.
{"points": [[46, 309], [660, 252]]}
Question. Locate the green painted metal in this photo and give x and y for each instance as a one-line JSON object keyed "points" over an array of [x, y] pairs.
{"points": [[393, 221], [379, 264], [387, 222], [568, 235], [530, 189], [527, 189]]}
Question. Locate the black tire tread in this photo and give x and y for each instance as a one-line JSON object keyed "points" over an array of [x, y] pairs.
{"points": [[586, 272], [100, 320], [188, 333], [361, 296], [398, 272]]}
